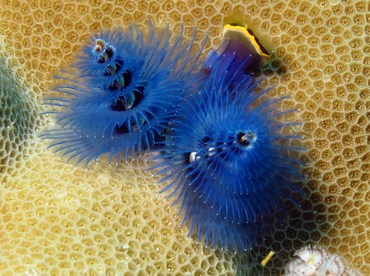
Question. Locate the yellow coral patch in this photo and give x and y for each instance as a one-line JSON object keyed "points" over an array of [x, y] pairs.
{"points": [[57, 219]]}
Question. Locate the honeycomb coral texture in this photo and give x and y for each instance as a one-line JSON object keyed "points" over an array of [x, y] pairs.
{"points": [[58, 219], [18, 117]]}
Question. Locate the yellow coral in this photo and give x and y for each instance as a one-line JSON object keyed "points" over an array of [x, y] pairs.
{"points": [[55, 218]]}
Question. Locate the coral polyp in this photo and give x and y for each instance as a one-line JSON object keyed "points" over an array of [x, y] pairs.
{"points": [[119, 94], [315, 260], [227, 159]]}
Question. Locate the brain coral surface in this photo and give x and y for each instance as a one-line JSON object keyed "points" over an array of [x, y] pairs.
{"points": [[56, 218]]}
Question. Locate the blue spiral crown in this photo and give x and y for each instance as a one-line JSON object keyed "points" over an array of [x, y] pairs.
{"points": [[120, 93], [226, 162]]}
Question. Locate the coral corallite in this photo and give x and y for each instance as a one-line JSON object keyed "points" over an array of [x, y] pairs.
{"points": [[226, 160], [120, 93]]}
